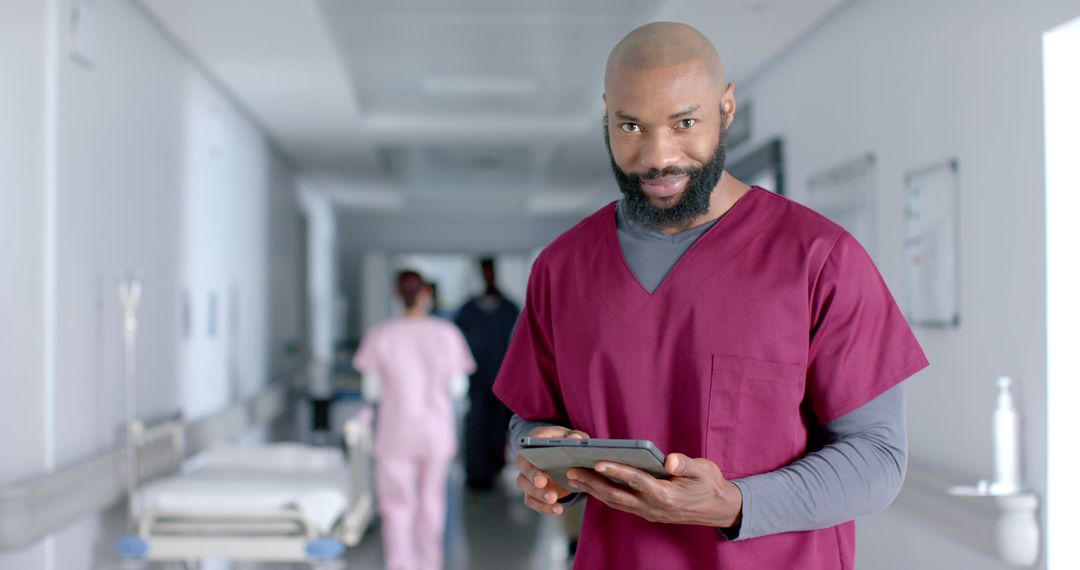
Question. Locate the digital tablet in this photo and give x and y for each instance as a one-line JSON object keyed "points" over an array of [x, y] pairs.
{"points": [[555, 455]]}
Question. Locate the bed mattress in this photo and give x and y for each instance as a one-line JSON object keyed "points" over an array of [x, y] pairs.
{"points": [[255, 480]]}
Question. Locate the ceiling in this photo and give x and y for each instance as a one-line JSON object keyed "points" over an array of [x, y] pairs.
{"points": [[468, 108]]}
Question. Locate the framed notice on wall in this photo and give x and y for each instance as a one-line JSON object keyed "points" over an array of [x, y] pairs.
{"points": [[763, 167], [931, 244], [847, 194]]}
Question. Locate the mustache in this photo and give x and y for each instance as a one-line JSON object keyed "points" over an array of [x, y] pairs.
{"points": [[655, 173]]}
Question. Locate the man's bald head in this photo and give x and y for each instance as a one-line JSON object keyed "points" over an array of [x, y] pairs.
{"points": [[665, 44]]}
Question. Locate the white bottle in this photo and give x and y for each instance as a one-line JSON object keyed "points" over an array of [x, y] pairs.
{"points": [[1007, 478]]}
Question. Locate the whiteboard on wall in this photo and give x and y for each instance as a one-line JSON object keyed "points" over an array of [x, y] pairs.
{"points": [[847, 195], [931, 244]]}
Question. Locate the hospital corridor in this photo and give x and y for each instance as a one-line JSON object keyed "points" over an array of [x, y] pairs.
{"points": [[539, 285]]}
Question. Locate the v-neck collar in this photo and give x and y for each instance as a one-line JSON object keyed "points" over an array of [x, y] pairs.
{"points": [[641, 230], [647, 313]]}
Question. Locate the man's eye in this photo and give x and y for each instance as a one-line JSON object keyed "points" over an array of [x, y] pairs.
{"points": [[687, 123], [629, 128]]}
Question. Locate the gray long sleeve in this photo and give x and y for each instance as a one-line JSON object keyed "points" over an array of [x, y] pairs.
{"points": [[858, 472]]}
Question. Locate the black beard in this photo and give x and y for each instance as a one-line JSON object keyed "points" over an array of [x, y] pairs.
{"points": [[694, 201]]}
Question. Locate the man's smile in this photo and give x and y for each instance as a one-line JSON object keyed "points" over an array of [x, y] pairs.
{"points": [[665, 186]]}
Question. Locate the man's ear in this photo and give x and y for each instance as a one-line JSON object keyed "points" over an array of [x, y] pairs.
{"points": [[728, 105]]}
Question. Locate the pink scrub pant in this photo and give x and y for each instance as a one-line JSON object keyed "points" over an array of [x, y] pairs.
{"points": [[412, 502]]}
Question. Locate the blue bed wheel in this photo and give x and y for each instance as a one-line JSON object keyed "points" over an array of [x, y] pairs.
{"points": [[325, 549], [132, 547]]}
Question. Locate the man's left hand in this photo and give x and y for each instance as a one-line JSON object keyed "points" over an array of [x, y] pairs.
{"points": [[697, 492]]}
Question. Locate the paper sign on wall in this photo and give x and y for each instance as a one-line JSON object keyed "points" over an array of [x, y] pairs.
{"points": [[932, 245]]}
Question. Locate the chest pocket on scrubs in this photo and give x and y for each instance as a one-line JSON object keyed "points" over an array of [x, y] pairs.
{"points": [[754, 421]]}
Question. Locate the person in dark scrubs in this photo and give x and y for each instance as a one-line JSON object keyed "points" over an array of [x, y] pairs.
{"points": [[487, 322], [750, 338]]}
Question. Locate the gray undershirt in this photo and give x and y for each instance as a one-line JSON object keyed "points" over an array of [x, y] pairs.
{"points": [[652, 254], [858, 472]]}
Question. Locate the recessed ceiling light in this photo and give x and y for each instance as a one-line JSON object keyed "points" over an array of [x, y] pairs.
{"points": [[478, 85]]}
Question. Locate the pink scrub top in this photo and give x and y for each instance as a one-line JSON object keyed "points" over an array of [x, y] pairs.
{"points": [[415, 360], [774, 323]]}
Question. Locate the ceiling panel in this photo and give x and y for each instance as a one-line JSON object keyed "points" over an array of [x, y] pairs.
{"points": [[488, 58], [463, 98]]}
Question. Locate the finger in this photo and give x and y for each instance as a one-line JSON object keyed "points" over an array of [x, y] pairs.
{"points": [[543, 508], [532, 472], [582, 486], [678, 465], [582, 474], [549, 431], [558, 432], [546, 496], [538, 479], [522, 463], [634, 478], [611, 494]]}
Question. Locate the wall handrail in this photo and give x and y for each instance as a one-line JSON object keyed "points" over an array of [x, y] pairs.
{"points": [[37, 506]]}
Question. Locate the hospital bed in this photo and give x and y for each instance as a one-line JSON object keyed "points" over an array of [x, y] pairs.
{"points": [[272, 503]]}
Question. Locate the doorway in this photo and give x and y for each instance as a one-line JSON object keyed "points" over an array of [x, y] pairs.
{"points": [[1061, 51]]}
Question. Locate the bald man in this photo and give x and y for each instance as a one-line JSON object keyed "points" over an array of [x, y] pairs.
{"points": [[747, 336]]}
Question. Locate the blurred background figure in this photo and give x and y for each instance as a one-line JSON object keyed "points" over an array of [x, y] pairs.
{"points": [[414, 365], [437, 309], [487, 322]]}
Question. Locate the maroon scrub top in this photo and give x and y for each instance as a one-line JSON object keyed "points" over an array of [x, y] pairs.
{"points": [[774, 323]]}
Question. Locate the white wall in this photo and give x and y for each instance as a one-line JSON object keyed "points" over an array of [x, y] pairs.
{"points": [[156, 170], [376, 293], [915, 83], [22, 249], [240, 248], [288, 272]]}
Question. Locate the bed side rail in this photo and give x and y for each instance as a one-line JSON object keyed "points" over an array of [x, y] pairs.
{"points": [[33, 508]]}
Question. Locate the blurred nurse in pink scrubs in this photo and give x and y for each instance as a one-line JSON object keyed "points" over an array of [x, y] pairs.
{"points": [[414, 366]]}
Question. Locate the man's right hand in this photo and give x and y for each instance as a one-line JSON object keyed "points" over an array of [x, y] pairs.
{"points": [[542, 494]]}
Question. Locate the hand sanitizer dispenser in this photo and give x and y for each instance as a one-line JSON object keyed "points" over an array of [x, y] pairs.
{"points": [[1016, 525], [1007, 476]]}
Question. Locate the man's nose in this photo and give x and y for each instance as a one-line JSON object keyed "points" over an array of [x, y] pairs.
{"points": [[659, 152]]}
